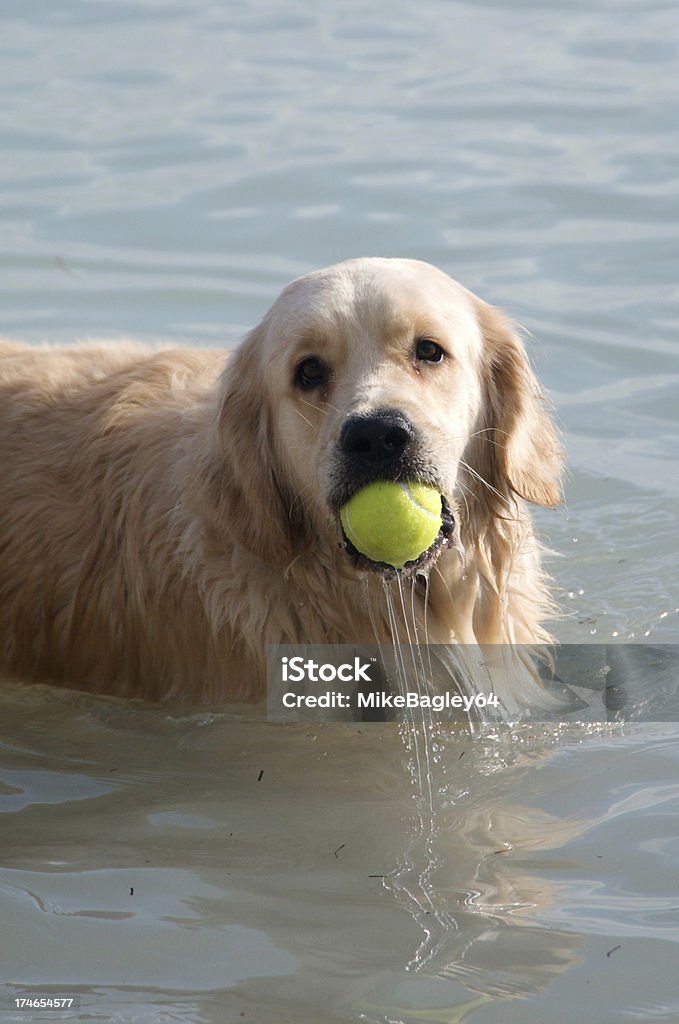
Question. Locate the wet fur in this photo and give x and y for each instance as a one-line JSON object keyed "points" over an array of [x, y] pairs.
{"points": [[164, 512]]}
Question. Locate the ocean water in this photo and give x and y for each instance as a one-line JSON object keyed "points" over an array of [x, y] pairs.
{"points": [[166, 167]]}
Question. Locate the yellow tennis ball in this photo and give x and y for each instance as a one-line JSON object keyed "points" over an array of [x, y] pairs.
{"points": [[392, 522]]}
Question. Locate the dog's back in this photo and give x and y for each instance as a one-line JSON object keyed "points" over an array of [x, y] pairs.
{"points": [[90, 440]]}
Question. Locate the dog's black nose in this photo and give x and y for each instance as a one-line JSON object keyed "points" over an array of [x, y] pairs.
{"points": [[377, 440]]}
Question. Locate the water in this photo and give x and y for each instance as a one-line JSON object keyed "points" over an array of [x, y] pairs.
{"points": [[167, 166]]}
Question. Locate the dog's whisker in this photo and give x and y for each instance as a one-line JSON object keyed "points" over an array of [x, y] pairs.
{"points": [[334, 408], [328, 405], [478, 433], [482, 480], [308, 422], [312, 406], [464, 498], [490, 440]]}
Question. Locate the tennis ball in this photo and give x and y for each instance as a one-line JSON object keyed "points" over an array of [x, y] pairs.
{"points": [[392, 522]]}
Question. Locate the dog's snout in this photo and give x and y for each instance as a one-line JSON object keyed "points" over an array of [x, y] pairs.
{"points": [[377, 440]]}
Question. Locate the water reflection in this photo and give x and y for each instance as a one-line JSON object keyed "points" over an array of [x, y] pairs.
{"points": [[295, 865], [459, 877]]}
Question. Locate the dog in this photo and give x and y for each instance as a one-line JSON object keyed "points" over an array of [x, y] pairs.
{"points": [[167, 513]]}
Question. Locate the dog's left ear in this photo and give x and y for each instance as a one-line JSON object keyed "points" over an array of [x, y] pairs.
{"points": [[525, 452]]}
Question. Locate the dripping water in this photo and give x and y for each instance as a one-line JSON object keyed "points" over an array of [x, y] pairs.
{"points": [[415, 669], [418, 666], [412, 882]]}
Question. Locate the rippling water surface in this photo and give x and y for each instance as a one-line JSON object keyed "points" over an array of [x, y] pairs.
{"points": [[167, 166]]}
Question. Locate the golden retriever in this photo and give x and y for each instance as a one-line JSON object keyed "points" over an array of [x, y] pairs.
{"points": [[167, 513]]}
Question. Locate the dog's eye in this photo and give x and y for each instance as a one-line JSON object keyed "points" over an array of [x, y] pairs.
{"points": [[311, 373], [428, 351]]}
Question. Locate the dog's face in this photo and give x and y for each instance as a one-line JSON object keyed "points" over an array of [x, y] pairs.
{"points": [[381, 369], [381, 360]]}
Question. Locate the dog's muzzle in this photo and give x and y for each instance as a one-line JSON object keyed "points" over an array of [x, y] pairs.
{"points": [[385, 445]]}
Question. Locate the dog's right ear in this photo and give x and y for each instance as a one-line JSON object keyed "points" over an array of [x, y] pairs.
{"points": [[524, 450], [244, 478]]}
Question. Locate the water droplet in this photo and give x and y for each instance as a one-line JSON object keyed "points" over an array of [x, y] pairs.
{"points": [[592, 632], [615, 633], [571, 594], [581, 592], [575, 540]]}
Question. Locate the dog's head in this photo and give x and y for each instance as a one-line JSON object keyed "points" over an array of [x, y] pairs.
{"points": [[380, 369]]}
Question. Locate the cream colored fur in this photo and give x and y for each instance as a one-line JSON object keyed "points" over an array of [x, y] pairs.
{"points": [[164, 514]]}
